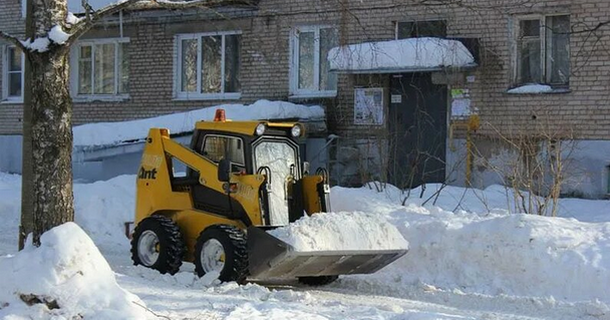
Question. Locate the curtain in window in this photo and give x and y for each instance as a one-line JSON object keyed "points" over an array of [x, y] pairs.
{"points": [[530, 50], [103, 80], [211, 68], [328, 40], [558, 49], [189, 65], [232, 61], [307, 49], [15, 70]]}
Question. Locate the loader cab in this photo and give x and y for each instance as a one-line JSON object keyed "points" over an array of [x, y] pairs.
{"points": [[250, 148]]}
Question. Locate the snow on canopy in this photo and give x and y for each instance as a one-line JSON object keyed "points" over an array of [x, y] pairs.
{"points": [[113, 133], [400, 55]]}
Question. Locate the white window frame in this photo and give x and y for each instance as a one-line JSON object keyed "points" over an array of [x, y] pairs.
{"points": [[295, 92], [74, 74], [5, 77], [198, 95], [516, 29]]}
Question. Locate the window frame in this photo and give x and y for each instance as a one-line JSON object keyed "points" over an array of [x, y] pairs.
{"points": [[74, 67], [415, 22], [544, 47], [6, 98], [198, 95], [295, 92]]}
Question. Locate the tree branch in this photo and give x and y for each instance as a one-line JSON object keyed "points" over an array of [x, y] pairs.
{"points": [[169, 4], [90, 20], [14, 40]]}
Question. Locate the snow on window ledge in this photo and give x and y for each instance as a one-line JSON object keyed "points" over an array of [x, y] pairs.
{"points": [[12, 101], [313, 94], [99, 98], [219, 96], [537, 89]]}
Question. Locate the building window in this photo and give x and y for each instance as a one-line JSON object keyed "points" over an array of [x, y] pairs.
{"points": [[13, 74], [208, 66], [310, 69], [543, 50], [101, 69], [419, 29]]}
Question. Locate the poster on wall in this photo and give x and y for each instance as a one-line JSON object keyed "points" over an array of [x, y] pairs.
{"points": [[461, 104], [368, 106]]}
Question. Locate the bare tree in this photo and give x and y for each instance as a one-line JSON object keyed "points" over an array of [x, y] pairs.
{"points": [[47, 195]]}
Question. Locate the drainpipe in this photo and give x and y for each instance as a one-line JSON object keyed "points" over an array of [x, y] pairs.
{"points": [[473, 125], [121, 23]]}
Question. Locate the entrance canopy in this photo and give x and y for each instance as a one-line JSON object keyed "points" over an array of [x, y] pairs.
{"points": [[397, 56]]}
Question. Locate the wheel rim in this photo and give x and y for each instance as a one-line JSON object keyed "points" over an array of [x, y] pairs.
{"points": [[148, 248], [212, 256]]}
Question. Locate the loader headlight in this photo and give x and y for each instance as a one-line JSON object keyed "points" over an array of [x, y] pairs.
{"points": [[296, 131], [260, 129]]}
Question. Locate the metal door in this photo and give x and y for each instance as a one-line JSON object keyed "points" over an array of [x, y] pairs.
{"points": [[418, 130]]}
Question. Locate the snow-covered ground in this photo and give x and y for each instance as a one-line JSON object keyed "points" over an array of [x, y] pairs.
{"points": [[469, 258]]}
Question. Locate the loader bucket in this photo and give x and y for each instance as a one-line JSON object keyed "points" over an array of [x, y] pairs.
{"points": [[270, 257]]}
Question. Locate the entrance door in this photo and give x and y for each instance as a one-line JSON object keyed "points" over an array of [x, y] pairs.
{"points": [[418, 130]]}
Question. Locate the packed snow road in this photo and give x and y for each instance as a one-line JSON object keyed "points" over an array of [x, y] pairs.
{"points": [[468, 259]]}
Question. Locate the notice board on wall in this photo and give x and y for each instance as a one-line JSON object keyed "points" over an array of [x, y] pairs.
{"points": [[368, 106]]}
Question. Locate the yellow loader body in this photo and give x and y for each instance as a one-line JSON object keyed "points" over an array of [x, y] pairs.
{"points": [[241, 179]]}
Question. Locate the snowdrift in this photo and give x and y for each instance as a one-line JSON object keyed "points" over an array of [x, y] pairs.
{"points": [[467, 241], [103, 207], [65, 278], [490, 253], [341, 231]]}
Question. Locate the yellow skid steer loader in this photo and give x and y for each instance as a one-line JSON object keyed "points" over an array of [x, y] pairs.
{"points": [[242, 178]]}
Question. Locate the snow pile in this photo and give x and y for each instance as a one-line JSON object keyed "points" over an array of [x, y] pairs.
{"points": [[531, 88], [490, 253], [406, 54], [65, 278], [103, 207], [111, 133], [341, 231]]}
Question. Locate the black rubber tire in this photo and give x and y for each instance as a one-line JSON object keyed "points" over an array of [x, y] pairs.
{"points": [[318, 281], [171, 244], [234, 243]]}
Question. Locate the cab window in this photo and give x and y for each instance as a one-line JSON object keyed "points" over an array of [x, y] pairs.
{"points": [[215, 147]]}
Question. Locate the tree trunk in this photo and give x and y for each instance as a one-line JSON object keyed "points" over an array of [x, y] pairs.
{"points": [[51, 141], [27, 188]]}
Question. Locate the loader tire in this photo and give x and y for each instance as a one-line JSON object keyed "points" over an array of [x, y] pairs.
{"points": [[226, 244], [157, 244], [318, 281]]}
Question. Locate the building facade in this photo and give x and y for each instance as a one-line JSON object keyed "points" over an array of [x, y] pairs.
{"points": [[542, 72]]}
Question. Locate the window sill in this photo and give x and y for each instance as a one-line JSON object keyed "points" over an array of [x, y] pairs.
{"points": [[11, 101], [84, 99], [537, 89], [201, 97], [315, 94]]}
